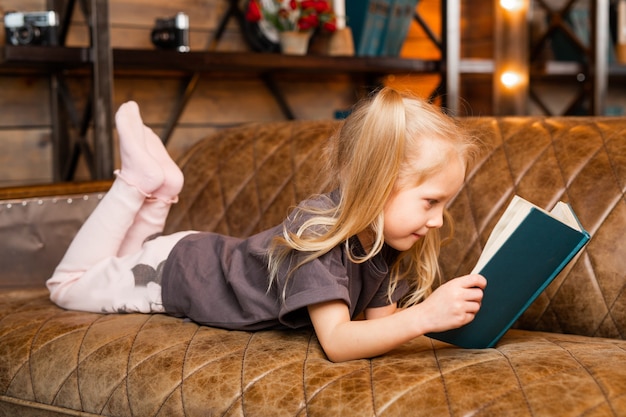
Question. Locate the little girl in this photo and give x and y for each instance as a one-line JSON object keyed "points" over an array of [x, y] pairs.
{"points": [[341, 261]]}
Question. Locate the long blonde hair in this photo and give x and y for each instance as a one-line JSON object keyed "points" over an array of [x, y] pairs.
{"points": [[365, 159]]}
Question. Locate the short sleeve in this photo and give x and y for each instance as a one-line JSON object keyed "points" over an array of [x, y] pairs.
{"points": [[323, 279], [381, 298]]}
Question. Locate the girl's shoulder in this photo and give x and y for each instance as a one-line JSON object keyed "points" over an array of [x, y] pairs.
{"points": [[318, 205], [323, 201]]}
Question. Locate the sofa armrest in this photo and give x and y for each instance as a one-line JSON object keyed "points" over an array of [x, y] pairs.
{"points": [[37, 224]]}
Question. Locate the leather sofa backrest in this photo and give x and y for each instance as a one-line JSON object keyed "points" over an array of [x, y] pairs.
{"points": [[243, 180]]}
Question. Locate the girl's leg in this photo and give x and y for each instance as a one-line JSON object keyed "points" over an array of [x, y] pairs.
{"points": [[103, 232], [129, 284], [150, 219]]}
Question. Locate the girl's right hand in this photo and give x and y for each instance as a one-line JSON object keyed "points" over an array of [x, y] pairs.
{"points": [[453, 304]]}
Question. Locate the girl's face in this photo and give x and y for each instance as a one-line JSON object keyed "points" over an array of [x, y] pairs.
{"points": [[412, 211]]}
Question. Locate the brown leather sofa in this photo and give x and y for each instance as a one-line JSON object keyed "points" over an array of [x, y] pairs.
{"points": [[566, 355]]}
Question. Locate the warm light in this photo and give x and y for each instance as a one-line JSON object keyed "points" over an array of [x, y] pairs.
{"points": [[511, 79], [512, 4]]}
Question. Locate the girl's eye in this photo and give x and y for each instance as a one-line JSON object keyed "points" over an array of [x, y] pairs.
{"points": [[432, 203]]}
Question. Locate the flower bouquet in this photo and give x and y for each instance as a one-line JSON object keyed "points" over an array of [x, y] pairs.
{"points": [[283, 20]]}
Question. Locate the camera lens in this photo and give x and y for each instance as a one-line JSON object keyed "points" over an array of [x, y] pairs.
{"points": [[162, 37], [25, 35]]}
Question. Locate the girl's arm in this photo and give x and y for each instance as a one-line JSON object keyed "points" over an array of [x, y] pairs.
{"points": [[380, 312], [452, 305]]}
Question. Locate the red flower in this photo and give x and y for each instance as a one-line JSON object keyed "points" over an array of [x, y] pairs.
{"points": [[330, 26], [253, 14], [307, 4], [322, 6], [304, 15], [309, 21]]}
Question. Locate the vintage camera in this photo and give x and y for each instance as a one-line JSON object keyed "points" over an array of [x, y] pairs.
{"points": [[33, 28], [172, 33]]}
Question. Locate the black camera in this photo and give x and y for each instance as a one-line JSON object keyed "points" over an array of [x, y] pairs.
{"points": [[172, 33], [33, 28]]}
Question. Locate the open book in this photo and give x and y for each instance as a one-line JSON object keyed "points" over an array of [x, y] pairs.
{"points": [[526, 250]]}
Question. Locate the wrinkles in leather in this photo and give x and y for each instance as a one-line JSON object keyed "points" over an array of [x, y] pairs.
{"points": [[56, 362], [153, 365]]}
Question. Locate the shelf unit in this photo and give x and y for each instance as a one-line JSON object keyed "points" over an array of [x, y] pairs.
{"points": [[102, 62], [591, 72], [69, 125]]}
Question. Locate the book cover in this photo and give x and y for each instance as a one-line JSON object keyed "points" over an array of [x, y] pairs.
{"points": [[400, 17], [367, 20], [396, 8], [356, 15], [525, 252], [380, 25]]}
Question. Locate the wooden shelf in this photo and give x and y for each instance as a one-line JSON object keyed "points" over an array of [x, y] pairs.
{"points": [[145, 60], [46, 58], [568, 70], [42, 59]]}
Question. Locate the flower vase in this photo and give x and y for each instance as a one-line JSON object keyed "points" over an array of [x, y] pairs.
{"points": [[337, 43], [294, 42]]}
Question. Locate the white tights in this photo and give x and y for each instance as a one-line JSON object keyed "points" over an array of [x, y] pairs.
{"points": [[108, 268]]}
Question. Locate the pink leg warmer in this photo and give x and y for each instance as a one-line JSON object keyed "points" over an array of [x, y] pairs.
{"points": [[100, 237]]}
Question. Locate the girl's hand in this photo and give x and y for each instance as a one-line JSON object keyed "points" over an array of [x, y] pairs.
{"points": [[453, 304]]}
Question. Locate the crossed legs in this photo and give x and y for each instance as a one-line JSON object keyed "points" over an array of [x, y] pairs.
{"points": [[96, 273]]}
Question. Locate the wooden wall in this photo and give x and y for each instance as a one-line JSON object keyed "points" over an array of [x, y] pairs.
{"points": [[218, 102]]}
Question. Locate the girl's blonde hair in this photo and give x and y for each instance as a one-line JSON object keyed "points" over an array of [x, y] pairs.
{"points": [[375, 150]]}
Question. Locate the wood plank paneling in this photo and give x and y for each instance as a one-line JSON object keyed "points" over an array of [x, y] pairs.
{"points": [[24, 156], [24, 102]]}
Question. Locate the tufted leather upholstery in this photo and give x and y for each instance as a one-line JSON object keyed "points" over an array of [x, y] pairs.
{"points": [[242, 181], [55, 362]]}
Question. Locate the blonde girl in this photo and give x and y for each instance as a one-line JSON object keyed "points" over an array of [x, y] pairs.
{"points": [[341, 262]]}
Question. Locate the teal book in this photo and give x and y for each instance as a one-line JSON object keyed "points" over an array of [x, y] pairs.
{"points": [[367, 20], [360, 17], [526, 250], [392, 25], [379, 26], [356, 16], [400, 17]]}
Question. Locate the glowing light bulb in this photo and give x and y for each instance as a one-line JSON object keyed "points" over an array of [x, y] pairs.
{"points": [[511, 79], [512, 4]]}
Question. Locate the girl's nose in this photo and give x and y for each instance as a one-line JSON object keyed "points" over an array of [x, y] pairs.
{"points": [[435, 221]]}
